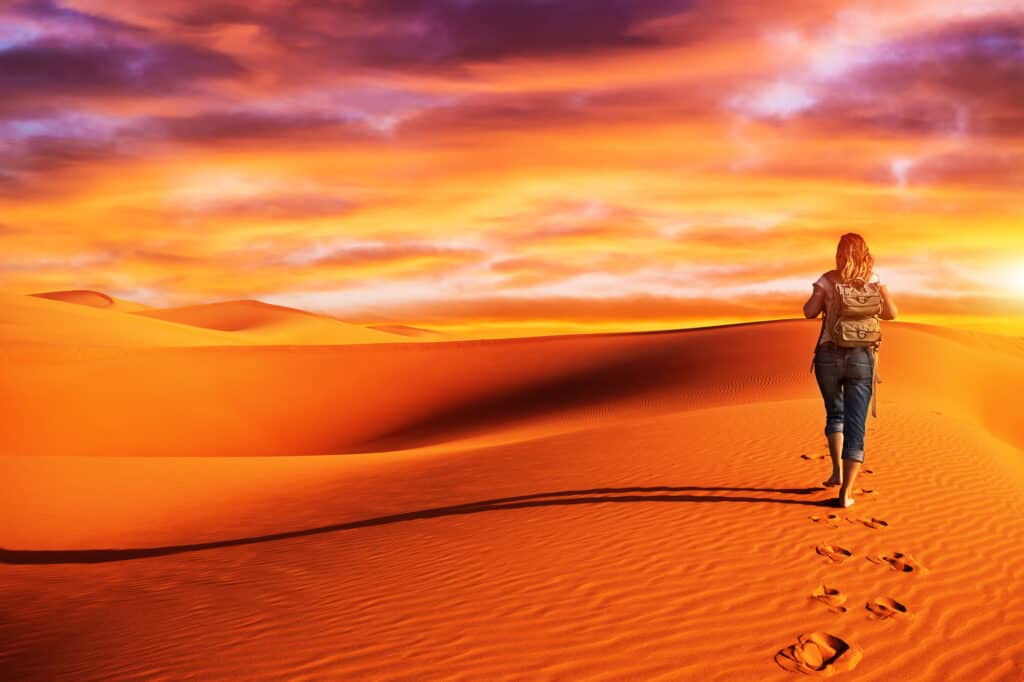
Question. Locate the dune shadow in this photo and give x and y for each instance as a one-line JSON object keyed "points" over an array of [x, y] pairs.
{"points": [[552, 499], [636, 372], [652, 362]]}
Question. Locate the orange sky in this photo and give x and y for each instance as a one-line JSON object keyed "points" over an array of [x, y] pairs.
{"points": [[521, 167]]}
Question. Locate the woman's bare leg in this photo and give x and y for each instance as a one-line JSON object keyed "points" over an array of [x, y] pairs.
{"points": [[850, 469], [835, 447]]}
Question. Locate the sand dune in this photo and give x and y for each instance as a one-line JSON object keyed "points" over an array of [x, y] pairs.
{"points": [[101, 320], [51, 321], [95, 299], [284, 400], [271, 324], [408, 330], [619, 506]]}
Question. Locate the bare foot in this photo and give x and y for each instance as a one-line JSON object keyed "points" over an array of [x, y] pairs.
{"points": [[832, 481], [844, 501]]}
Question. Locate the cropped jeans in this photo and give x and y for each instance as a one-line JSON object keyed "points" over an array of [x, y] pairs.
{"points": [[844, 377]]}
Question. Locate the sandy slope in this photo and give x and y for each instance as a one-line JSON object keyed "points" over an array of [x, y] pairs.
{"points": [[627, 506]]}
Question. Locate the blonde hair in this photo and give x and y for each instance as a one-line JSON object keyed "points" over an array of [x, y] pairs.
{"points": [[853, 259]]}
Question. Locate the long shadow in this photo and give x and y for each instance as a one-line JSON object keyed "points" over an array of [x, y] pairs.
{"points": [[553, 499]]}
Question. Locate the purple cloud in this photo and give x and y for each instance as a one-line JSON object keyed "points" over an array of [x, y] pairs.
{"points": [[54, 50], [409, 34], [964, 77], [216, 126], [53, 67]]}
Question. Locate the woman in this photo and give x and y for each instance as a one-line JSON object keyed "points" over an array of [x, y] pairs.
{"points": [[845, 374]]}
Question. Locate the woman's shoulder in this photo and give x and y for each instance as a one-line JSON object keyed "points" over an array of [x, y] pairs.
{"points": [[826, 279]]}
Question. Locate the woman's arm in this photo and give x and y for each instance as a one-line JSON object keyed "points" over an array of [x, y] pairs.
{"points": [[888, 305], [813, 306]]}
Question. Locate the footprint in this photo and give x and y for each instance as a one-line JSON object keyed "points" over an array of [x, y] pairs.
{"points": [[830, 597], [833, 553], [899, 561], [884, 608], [864, 491], [867, 471], [873, 522], [830, 520], [813, 456], [819, 653]]}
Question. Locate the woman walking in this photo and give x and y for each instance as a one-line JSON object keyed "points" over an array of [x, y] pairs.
{"points": [[845, 375]]}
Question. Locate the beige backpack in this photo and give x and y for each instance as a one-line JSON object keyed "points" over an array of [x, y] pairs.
{"points": [[858, 306]]}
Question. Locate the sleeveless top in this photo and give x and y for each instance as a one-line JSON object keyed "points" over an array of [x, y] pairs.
{"points": [[830, 300]]}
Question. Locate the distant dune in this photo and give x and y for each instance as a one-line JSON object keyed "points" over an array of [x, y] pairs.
{"points": [[101, 320], [49, 320], [610, 506], [407, 330], [271, 324], [96, 299]]}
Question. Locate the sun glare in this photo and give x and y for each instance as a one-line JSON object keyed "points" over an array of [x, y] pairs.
{"points": [[1015, 279]]}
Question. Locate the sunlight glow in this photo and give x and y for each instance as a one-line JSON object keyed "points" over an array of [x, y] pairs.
{"points": [[1015, 279]]}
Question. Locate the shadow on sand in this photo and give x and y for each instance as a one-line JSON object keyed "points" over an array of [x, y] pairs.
{"points": [[553, 499]]}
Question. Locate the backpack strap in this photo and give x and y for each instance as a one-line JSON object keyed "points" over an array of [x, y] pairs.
{"points": [[875, 380]]}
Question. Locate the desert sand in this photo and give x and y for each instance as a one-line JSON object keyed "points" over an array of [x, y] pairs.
{"points": [[244, 491]]}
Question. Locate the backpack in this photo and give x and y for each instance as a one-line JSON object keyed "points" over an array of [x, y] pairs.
{"points": [[857, 308]]}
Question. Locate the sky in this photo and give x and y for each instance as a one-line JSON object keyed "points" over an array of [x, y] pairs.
{"points": [[514, 167]]}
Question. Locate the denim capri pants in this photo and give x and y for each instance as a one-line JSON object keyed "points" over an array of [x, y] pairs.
{"points": [[844, 377]]}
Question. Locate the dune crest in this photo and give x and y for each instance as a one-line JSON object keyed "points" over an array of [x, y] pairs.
{"points": [[230, 316]]}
